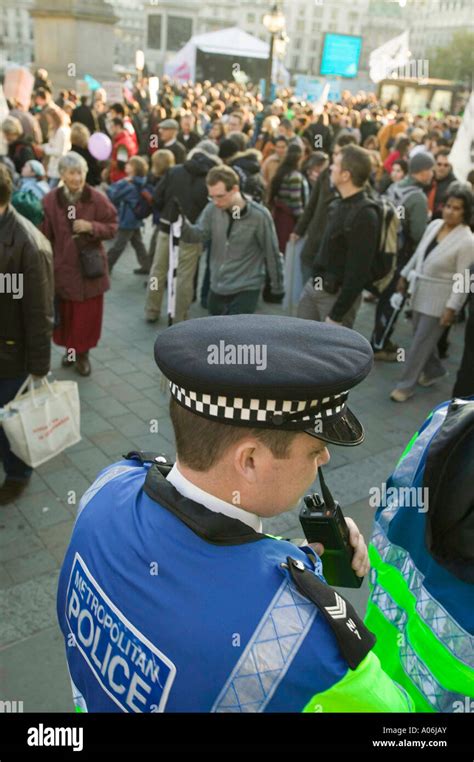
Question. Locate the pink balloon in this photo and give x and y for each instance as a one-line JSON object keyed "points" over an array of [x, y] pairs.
{"points": [[100, 146]]}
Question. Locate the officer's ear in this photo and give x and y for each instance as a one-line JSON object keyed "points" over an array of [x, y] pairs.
{"points": [[251, 458]]}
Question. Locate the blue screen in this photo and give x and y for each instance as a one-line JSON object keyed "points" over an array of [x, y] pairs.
{"points": [[341, 53]]}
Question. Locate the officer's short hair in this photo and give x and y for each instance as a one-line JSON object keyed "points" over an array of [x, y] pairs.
{"points": [[225, 175], [356, 160], [201, 443]]}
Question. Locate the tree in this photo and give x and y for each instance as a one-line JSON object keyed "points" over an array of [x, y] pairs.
{"points": [[454, 61]]}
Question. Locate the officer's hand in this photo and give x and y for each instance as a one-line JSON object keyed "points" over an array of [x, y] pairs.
{"points": [[360, 561]]}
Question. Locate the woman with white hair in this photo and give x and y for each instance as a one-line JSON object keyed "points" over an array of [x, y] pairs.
{"points": [[77, 219]]}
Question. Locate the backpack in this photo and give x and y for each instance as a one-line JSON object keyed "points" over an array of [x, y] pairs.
{"points": [[144, 206], [250, 185], [254, 187], [29, 205], [385, 261], [398, 198]]}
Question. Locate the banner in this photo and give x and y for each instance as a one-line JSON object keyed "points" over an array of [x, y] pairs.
{"points": [[18, 85], [462, 152], [308, 88], [392, 55], [114, 91]]}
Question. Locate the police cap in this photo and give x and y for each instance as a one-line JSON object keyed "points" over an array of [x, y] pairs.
{"points": [[265, 371]]}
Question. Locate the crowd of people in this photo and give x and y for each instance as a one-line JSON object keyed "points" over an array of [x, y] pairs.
{"points": [[361, 202], [253, 183]]}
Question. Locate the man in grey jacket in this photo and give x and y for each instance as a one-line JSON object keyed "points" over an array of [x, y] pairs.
{"points": [[243, 241]]}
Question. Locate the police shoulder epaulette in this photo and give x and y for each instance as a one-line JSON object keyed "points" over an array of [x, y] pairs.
{"points": [[354, 639]]}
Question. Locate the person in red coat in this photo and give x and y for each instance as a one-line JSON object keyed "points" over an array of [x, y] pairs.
{"points": [[78, 218], [123, 147]]}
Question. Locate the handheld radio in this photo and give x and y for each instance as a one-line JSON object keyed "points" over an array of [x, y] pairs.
{"points": [[323, 521]]}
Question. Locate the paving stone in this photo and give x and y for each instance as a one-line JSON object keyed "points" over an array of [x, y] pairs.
{"points": [[107, 407], [124, 392], [11, 522], [28, 608], [146, 409], [5, 581], [93, 423], [59, 535], [65, 481], [43, 510], [91, 391], [120, 366], [44, 684], [55, 464], [91, 461], [112, 441], [27, 567], [24, 541], [35, 484], [130, 425]]}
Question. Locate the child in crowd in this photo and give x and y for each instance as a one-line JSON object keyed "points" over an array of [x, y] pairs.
{"points": [[161, 161], [126, 196], [33, 178], [27, 199]]}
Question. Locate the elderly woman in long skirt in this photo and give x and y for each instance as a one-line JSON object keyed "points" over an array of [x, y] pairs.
{"points": [[77, 220]]}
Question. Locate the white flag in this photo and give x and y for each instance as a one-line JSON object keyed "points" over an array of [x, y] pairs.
{"points": [[388, 57], [462, 152]]}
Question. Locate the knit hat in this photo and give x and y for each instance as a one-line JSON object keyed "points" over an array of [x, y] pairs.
{"points": [[208, 146], [420, 161], [227, 148], [36, 167]]}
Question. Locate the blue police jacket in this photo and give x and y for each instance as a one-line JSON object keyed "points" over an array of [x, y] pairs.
{"points": [[167, 606]]}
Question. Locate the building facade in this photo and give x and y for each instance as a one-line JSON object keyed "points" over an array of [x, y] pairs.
{"points": [[169, 27], [16, 32], [129, 32], [434, 22]]}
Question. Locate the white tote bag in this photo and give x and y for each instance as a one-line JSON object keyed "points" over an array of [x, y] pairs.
{"points": [[41, 422]]}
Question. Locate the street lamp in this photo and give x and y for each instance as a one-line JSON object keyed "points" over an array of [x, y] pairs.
{"points": [[280, 44], [274, 22]]}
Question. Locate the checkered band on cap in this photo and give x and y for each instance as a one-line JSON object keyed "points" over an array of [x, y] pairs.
{"points": [[246, 410]]}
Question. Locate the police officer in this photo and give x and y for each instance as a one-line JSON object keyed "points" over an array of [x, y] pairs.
{"points": [[171, 596]]}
